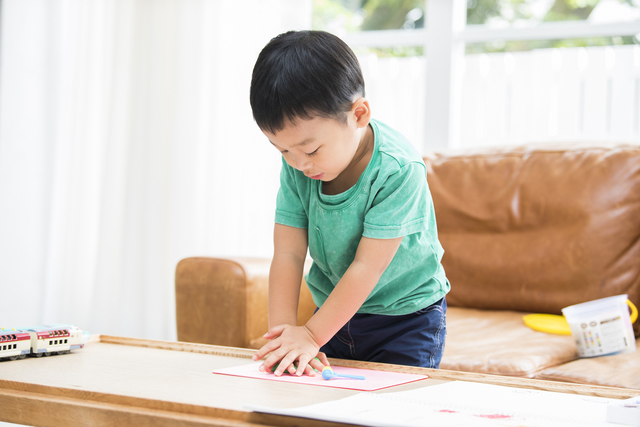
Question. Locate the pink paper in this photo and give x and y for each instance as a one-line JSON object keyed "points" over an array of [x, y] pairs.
{"points": [[375, 380]]}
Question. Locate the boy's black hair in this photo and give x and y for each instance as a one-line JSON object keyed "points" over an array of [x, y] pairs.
{"points": [[301, 75]]}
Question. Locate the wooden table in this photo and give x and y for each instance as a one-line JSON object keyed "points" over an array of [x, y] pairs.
{"points": [[133, 382]]}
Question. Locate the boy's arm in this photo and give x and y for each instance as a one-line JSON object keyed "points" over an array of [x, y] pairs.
{"points": [[373, 256], [302, 343], [285, 275]]}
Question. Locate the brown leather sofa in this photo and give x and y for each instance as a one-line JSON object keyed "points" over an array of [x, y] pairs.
{"points": [[530, 229]]}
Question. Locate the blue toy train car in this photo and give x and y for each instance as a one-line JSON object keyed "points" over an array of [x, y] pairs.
{"points": [[39, 341]]}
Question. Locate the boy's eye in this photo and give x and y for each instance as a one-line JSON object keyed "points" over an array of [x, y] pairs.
{"points": [[314, 152]]}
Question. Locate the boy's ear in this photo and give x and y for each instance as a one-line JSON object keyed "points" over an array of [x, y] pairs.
{"points": [[361, 111]]}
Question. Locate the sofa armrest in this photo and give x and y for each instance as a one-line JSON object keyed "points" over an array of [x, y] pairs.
{"points": [[225, 301]]}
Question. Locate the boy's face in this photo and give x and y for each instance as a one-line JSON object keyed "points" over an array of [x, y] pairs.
{"points": [[322, 148]]}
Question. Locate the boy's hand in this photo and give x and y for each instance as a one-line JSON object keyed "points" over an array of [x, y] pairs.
{"points": [[291, 344]]}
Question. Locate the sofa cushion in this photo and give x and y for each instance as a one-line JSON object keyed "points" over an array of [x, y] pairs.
{"points": [[498, 342], [536, 229], [620, 370]]}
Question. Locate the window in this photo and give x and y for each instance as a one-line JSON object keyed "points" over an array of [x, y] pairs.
{"points": [[340, 16], [497, 72], [576, 14], [356, 17]]}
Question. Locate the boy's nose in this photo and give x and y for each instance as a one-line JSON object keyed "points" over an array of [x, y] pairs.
{"points": [[300, 163]]}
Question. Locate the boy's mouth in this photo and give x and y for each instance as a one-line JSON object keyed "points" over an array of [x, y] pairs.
{"points": [[319, 176]]}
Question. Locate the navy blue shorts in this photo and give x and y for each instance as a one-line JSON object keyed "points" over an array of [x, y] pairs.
{"points": [[415, 339]]}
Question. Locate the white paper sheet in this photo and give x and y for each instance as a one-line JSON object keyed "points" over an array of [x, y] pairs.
{"points": [[460, 403]]}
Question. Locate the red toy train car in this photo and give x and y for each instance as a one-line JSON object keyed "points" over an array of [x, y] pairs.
{"points": [[39, 341]]}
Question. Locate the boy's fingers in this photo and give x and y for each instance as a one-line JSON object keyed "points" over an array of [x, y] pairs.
{"points": [[270, 363], [274, 332], [266, 349], [285, 363], [323, 358], [303, 364], [317, 364], [310, 371], [306, 364]]}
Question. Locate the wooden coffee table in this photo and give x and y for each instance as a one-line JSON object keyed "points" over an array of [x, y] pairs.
{"points": [[135, 382]]}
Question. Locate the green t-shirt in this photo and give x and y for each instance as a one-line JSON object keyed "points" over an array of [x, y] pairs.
{"points": [[391, 199]]}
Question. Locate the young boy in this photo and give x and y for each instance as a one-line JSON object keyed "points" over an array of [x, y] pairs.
{"points": [[354, 192]]}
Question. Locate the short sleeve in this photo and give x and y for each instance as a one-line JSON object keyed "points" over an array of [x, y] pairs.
{"points": [[289, 207], [401, 205]]}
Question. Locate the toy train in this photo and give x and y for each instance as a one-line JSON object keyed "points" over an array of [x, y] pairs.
{"points": [[39, 341]]}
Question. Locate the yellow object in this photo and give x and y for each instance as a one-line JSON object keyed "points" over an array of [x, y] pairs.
{"points": [[555, 324], [634, 311], [549, 323]]}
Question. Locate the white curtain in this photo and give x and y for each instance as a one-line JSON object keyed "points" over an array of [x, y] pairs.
{"points": [[127, 144]]}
